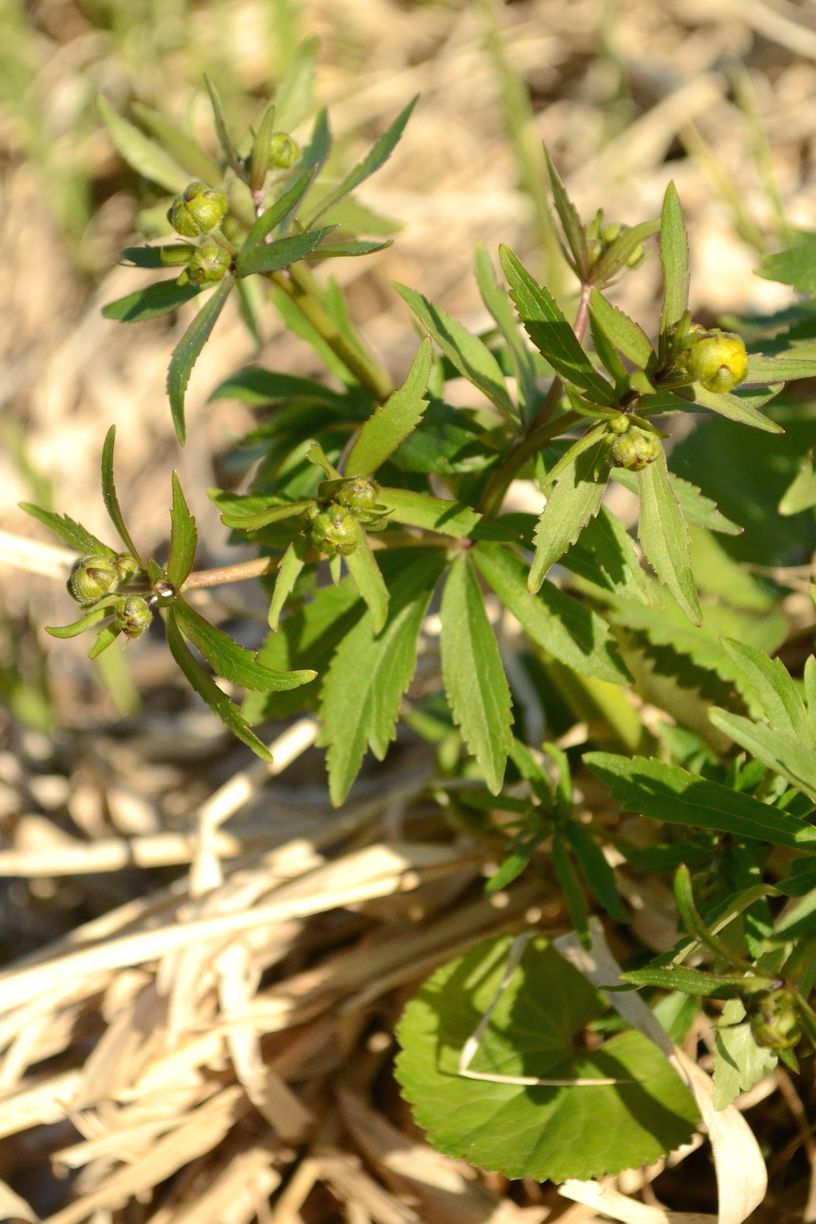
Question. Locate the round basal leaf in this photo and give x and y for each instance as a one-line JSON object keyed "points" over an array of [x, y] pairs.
{"points": [[535, 1032]]}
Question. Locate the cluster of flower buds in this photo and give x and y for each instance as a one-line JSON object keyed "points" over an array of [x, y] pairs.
{"points": [[601, 235], [197, 213], [632, 448], [100, 576], [344, 508], [774, 1020]]}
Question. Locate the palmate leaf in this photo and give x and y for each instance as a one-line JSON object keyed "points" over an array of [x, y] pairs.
{"points": [[272, 256], [369, 673], [394, 420], [183, 538], [139, 151], [674, 258], [675, 796], [230, 660], [187, 351], [528, 1130], [664, 536], [572, 502], [473, 672], [110, 496], [73, 533], [148, 303], [471, 356]]}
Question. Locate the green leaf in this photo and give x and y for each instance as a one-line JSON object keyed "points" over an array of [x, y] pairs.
{"points": [[671, 794], [674, 258], [350, 249], [279, 212], [496, 301], [140, 152], [627, 336], [209, 691], [369, 674], [221, 129], [183, 538], [801, 492], [320, 143], [272, 256], [695, 507], [106, 637], [575, 902], [148, 303], [293, 97], [535, 1017], [97, 613], [228, 659], [595, 869], [369, 582], [258, 387], [788, 753], [605, 555], [379, 153], [767, 688], [574, 231], [394, 420], [186, 352], [259, 154], [450, 518], [289, 569], [471, 356], [788, 367], [473, 672], [255, 511], [695, 982], [795, 266], [664, 536], [73, 533], [179, 145], [111, 498], [739, 1062], [615, 256], [550, 332], [163, 256], [551, 619], [572, 502], [735, 408]]}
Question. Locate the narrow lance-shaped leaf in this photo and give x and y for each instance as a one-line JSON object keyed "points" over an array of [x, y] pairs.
{"points": [[186, 352], [675, 796], [272, 256], [621, 250], [366, 576], [259, 155], [140, 152], [182, 147], [695, 507], [664, 536], [349, 249], [280, 211], [473, 672], [595, 869], [289, 568], [369, 673], [110, 497], [735, 408], [221, 129], [209, 691], [787, 367], [626, 335], [573, 893], [574, 231], [788, 753], [183, 538], [471, 356], [97, 613], [766, 686], [496, 301], [572, 502], [148, 303], [450, 518], [73, 533], [550, 332], [394, 420], [674, 257], [168, 254], [106, 637], [230, 660], [379, 153], [696, 982]]}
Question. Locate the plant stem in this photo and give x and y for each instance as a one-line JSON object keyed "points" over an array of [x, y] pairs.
{"points": [[256, 568], [299, 285]]}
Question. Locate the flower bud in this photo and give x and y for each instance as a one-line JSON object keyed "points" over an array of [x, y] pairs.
{"points": [[126, 567], [92, 578], [635, 450], [335, 530], [717, 360], [197, 210], [132, 615], [620, 424], [774, 1020], [283, 151], [208, 264], [359, 494]]}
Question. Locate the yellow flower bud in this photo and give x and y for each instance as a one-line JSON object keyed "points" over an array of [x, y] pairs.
{"points": [[717, 360]]}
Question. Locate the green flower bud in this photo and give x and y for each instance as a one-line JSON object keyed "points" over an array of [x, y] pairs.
{"points": [[197, 210], [774, 1020], [283, 151], [126, 567], [717, 360], [92, 578], [208, 264], [360, 494], [635, 450], [335, 530], [620, 424], [132, 615]]}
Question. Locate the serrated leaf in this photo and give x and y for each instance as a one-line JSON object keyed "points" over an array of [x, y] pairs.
{"points": [[110, 496], [450, 518], [221, 129], [148, 303], [97, 613], [795, 266], [369, 674], [695, 507], [787, 367], [379, 153], [674, 258], [739, 1062], [735, 408], [163, 256], [473, 672], [279, 212], [183, 538], [572, 502], [471, 357], [788, 753], [671, 794], [186, 352], [627, 336], [140, 152], [255, 511], [73, 533], [181, 147], [351, 249], [574, 231], [230, 660], [524, 1130], [369, 582], [394, 420], [696, 982], [209, 691], [767, 688], [496, 301], [605, 555], [664, 536], [595, 869], [566, 629], [272, 256], [550, 332], [258, 387], [801, 492], [289, 568]]}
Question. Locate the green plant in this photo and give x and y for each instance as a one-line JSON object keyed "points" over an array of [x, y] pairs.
{"points": [[403, 497]]}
